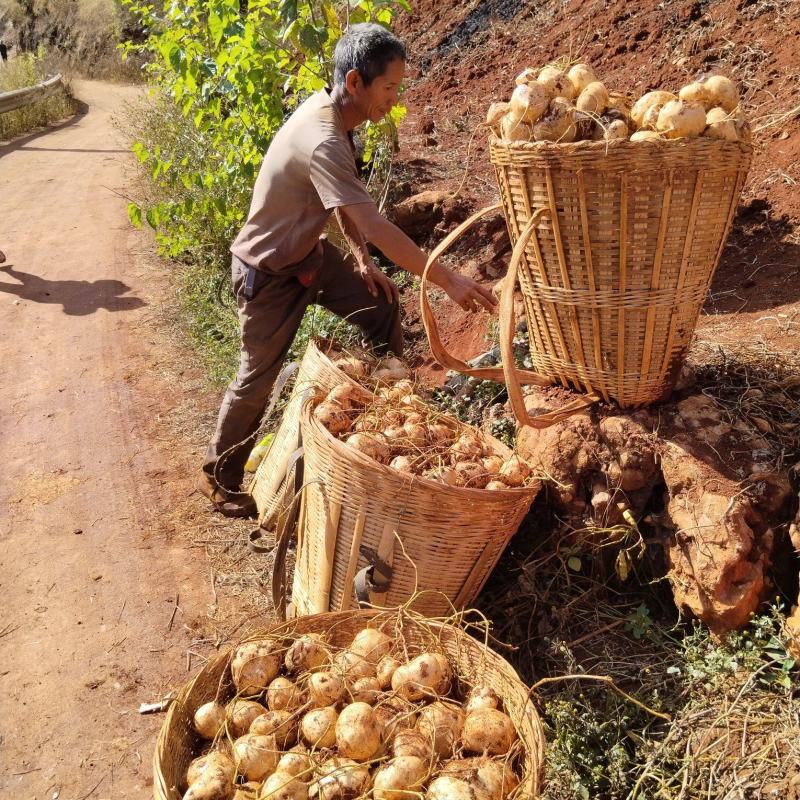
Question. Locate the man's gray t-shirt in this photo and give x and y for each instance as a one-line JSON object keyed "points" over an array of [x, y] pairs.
{"points": [[309, 170]]}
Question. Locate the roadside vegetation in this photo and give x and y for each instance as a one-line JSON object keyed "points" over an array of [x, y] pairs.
{"points": [[26, 70]]}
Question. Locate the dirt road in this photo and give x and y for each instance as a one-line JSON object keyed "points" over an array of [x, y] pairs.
{"points": [[89, 627]]}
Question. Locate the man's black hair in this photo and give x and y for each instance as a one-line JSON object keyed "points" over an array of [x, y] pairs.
{"points": [[368, 48]]}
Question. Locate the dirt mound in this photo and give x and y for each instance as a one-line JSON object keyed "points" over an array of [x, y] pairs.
{"points": [[465, 56]]}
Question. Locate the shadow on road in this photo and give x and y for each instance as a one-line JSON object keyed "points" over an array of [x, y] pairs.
{"points": [[78, 298]]}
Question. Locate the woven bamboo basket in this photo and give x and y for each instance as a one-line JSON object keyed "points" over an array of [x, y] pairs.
{"points": [[616, 244], [270, 488], [440, 541], [472, 662]]}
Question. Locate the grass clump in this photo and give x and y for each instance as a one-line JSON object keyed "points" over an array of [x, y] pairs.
{"points": [[28, 69]]}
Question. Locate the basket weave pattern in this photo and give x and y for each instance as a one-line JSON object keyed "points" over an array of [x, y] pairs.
{"points": [[269, 488], [453, 535], [178, 743], [616, 271]]}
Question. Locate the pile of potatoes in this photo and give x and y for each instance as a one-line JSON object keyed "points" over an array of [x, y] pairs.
{"points": [[396, 426], [570, 105], [311, 721]]}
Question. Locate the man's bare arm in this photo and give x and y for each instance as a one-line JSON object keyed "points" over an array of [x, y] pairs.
{"points": [[374, 278], [395, 245]]}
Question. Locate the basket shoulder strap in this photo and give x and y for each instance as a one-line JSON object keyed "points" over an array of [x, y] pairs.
{"points": [[429, 320], [507, 329]]}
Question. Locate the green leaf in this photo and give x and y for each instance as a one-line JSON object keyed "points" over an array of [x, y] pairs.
{"points": [[135, 215], [574, 563], [622, 565]]}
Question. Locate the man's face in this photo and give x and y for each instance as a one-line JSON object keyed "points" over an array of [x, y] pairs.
{"points": [[376, 100]]}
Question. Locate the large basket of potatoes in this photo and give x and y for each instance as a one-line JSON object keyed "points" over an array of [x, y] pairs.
{"points": [[393, 484], [618, 212], [346, 705]]}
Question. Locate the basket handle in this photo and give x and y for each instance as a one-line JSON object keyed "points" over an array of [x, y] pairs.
{"points": [[507, 330], [429, 321], [507, 372]]}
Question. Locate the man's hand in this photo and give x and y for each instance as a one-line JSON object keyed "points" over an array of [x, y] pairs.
{"points": [[377, 279], [469, 294]]}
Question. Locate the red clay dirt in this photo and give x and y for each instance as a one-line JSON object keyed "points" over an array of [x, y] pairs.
{"points": [[464, 56], [90, 580]]}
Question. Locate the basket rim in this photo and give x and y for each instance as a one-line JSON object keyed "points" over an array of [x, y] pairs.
{"points": [[695, 142], [341, 449]]}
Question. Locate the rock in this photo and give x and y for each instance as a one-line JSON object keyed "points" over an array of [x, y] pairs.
{"points": [[419, 214], [719, 510]]}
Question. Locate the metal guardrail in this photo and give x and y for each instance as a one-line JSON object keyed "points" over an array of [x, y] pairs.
{"points": [[10, 101]]}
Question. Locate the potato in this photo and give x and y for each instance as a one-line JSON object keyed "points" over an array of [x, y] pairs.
{"points": [[492, 464], [528, 102], [416, 434], [241, 714], [281, 724], [468, 446], [306, 654], [441, 724], [209, 719], [326, 688], [527, 75], [722, 91], [402, 463], [358, 732], [488, 731], [490, 779], [558, 124], [497, 486], [284, 695], [556, 82], [447, 787], [282, 786], [254, 665], [481, 697], [354, 666], [593, 99], [372, 445], [580, 76], [333, 417], [296, 763], [696, 92], [471, 474], [255, 755], [646, 136], [645, 110], [615, 129], [427, 675], [352, 367], [412, 743], [720, 126], [400, 779], [743, 130], [513, 130], [385, 669], [371, 644], [318, 727], [342, 779], [394, 719], [679, 119], [514, 472], [496, 112], [211, 786], [390, 369], [247, 791], [349, 397], [440, 433], [365, 690], [214, 761]]}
